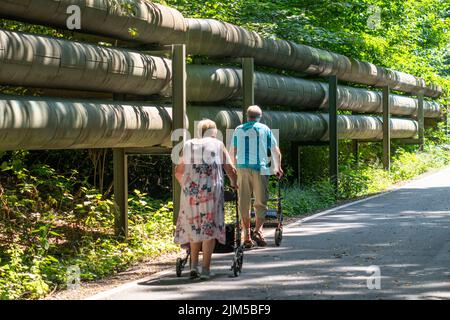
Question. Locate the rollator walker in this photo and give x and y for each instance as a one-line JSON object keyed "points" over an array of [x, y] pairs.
{"points": [[233, 233]]}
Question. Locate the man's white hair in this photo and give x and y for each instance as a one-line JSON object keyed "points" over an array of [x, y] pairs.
{"points": [[254, 112]]}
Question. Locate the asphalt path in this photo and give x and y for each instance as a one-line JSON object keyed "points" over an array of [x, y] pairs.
{"points": [[391, 246]]}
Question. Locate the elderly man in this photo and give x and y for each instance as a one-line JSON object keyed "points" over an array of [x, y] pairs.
{"points": [[254, 145]]}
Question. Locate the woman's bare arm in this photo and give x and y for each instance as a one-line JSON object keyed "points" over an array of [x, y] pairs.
{"points": [[179, 172]]}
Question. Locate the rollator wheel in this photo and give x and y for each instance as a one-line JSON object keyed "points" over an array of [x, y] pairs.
{"points": [[179, 267], [241, 259], [235, 268], [278, 236], [238, 260]]}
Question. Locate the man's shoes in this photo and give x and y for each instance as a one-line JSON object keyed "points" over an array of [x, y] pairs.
{"points": [[248, 244], [194, 274], [259, 239], [206, 274]]}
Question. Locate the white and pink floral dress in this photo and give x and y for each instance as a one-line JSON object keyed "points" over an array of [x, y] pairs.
{"points": [[201, 215]]}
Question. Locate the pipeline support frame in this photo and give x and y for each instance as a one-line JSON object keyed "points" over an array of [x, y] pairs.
{"points": [[120, 156], [178, 122], [333, 132]]}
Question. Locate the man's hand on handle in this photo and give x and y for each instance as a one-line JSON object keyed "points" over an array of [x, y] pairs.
{"points": [[279, 173]]}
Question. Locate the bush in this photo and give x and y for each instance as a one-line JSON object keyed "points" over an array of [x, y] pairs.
{"points": [[299, 200], [52, 222]]}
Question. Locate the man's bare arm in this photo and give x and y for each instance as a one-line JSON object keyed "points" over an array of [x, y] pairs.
{"points": [[277, 159], [232, 153]]}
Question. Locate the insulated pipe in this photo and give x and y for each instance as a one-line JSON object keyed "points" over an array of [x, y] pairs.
{"points": [[45, 123], [214, 84], [31, 60], [358, 127], [155, 23], [308, 126], [132, 20], [229, 40]]}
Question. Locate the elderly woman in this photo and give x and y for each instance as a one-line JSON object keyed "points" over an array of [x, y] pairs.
{"points": [[200, 173]]}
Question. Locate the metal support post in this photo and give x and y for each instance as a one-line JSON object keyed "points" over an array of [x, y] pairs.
{"points": [[355, 150], [386, 129], [120, 164], [295, 158], [333, 132], [421, 121], [120, 173], [248, 86], [178, 112]]}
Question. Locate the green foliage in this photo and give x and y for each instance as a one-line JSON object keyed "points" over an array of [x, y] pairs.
{"points": [[49, 222], [298, 200]]}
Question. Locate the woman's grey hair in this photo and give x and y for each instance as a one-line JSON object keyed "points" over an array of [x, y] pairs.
{"points": [[206, 128], [254, 112]]}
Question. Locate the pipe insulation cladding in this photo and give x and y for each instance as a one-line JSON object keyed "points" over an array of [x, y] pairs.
{"points": [[309, 126], [39, 61], [44, 123], [145, 22], [213, 84], [152, 22]]}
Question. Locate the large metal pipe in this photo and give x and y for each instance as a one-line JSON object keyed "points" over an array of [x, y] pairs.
{"points": [[132, 20], [212, 37], [31, 60], [156, 23], [309, 126], [45, 123], [213, 84]]}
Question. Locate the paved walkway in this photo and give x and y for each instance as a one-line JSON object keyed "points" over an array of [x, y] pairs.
{"points": [[405, 233]]}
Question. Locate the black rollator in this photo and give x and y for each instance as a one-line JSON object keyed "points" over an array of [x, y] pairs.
{"points": [[238, 247], [233, 241], [279, 229], [234, 230]]}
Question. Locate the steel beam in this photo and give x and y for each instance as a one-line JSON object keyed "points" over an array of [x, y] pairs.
{"points": [[120, 174], [333, 132], [407, 141], [120, 160], [151, 151], [355, 151], [421, 120], [386, 129], [295, 159], [248, 86], [178, 113]]}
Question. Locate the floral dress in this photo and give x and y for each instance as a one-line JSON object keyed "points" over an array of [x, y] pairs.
{"points": [[201, 215]]}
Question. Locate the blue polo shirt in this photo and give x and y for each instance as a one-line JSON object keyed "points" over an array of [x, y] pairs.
{"points": [[253, 140]]}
